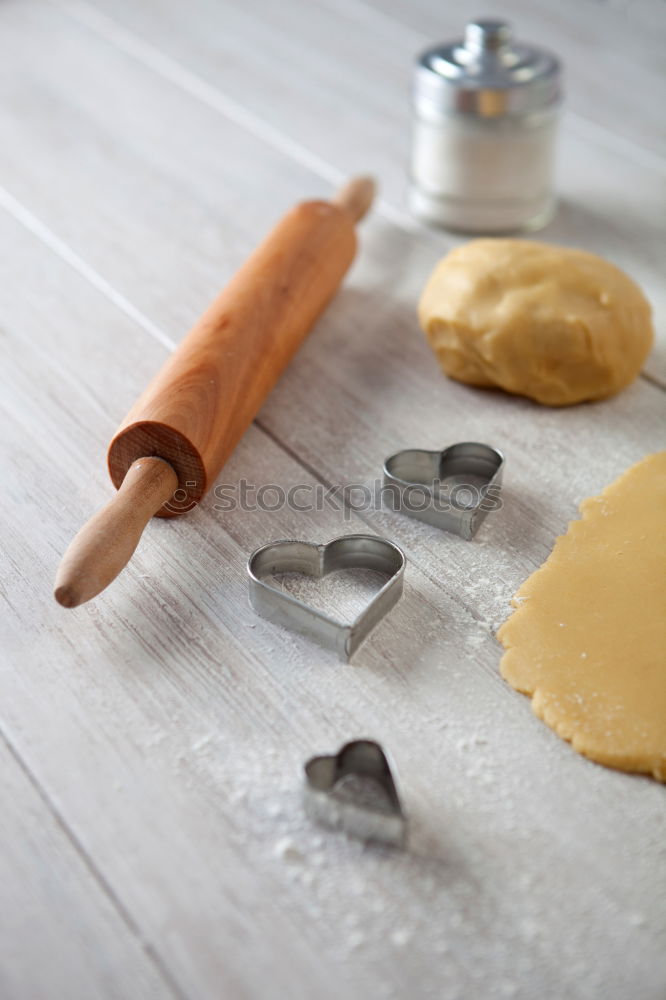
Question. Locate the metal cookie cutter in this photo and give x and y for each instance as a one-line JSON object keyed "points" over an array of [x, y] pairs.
{"points": [[347, 552], [355, 791], [452, 489]]}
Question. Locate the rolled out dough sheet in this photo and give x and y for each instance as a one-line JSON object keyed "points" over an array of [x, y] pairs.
{"points": [[587, 640]]}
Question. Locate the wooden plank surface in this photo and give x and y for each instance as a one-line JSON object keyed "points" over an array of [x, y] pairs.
{"points": [[63, 932], [146, 149]]}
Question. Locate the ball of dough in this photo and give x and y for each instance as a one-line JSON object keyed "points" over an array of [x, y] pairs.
{"points": [[555, 324]]}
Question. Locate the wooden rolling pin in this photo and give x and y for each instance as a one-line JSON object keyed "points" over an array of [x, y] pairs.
{"points": [[176, 438]]}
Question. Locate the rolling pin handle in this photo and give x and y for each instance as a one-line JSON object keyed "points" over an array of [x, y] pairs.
{"points": [[104, 545], [356, 196]]}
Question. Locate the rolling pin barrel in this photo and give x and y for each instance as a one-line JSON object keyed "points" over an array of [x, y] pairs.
{"points": [[198, 406], [196, 409]]}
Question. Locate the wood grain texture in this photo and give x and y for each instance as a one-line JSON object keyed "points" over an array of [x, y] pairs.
{"points": [[175, 439], [166, 725], [195, 410], [52, 900], [106, 543]]}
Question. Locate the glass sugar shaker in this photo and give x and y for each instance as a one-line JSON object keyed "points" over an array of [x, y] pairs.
{"points": [[485, 116]]}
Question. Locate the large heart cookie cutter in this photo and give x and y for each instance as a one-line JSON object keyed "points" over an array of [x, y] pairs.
{"points": [[347, 552], [355, 791], [452, 489]]}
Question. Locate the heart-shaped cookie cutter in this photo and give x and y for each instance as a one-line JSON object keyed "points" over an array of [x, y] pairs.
{"points": [[355, 791], [442, 481], [347, 552]]}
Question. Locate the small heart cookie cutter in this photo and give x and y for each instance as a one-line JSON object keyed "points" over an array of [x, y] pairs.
{"points": [[347, 552], [355, 791], [441, 479]]}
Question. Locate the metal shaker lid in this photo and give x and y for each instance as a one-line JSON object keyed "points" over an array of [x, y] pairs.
{"points": [[487, 74]]}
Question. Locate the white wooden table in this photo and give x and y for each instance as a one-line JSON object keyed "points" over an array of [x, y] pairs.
{"points": [[153, 837]]}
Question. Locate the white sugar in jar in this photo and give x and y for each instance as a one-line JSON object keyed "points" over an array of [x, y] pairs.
{"points": [[485, 117]]}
